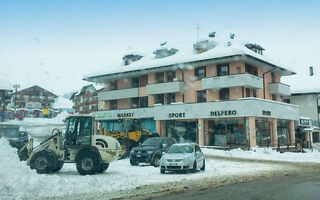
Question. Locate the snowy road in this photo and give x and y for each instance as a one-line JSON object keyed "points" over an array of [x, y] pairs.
{"points": [[18, 181]]}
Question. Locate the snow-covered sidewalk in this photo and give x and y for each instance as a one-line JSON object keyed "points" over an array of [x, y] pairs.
{"points": [[18, 181], [266, 154]]}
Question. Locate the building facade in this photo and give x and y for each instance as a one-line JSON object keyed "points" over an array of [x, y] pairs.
{"points": [[86, 100], [31, 101], [223, 94]]}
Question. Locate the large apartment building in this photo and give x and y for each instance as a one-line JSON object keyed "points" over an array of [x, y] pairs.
{"points": [[215, 93]]}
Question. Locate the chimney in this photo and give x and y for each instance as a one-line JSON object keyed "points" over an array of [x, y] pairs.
{"points": [[311, 70]]}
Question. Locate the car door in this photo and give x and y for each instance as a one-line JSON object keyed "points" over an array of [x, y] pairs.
{"points": [[199, 156]]}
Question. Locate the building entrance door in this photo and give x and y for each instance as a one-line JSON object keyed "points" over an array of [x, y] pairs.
{"points": [[263, 133]]}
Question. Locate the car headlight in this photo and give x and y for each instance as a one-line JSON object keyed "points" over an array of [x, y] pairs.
{"points": [[150, 152]]}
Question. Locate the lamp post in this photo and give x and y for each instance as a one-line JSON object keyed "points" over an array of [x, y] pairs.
{"points": [[15, 86], [318, 110]]}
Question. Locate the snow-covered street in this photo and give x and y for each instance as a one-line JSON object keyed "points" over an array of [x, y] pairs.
{"points": [[18, 181]]}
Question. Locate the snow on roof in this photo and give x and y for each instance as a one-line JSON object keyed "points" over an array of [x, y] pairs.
{"points": [[187, 54], [62, 102], [303, 83], [4, 84]]}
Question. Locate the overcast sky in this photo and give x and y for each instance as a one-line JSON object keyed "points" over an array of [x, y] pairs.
{"points": [[54, 44]]}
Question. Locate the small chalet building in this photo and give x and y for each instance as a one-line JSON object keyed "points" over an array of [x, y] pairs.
{"points": [[5, 90], [214, 92], [31, 101], [86, 100]]}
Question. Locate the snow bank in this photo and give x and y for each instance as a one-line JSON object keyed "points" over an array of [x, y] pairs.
{"points": [[266, 154], [18, 181], [58, 120]]}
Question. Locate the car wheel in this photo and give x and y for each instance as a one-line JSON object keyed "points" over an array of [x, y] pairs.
{"points": [[194, 169], [156, 161], [134, 163], [204, 165], [43, 162], [162, 171]]}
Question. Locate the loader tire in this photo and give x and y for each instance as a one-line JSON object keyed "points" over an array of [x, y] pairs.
{"points": [[58, 167], [44, 162], [103, 167], [88, 163]]}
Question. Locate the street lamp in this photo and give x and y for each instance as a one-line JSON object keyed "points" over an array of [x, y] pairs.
{"points": [[15, 86], [318, 110]]}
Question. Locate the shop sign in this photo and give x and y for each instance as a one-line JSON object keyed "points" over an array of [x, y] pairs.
{"points": [[177, 115], [123, 115], [223, 113], [304, 122], [266, 112]]}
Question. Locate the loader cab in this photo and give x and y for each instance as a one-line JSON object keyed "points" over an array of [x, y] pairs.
{"points": [[79, 130]]}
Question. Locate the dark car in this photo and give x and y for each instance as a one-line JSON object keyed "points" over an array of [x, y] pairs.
{"points": [[19, 141], [150, 151]]}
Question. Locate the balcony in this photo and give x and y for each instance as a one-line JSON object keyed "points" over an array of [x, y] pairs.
{"points": [[162, 88], [235, 80], [118, 94], [279, 89]]}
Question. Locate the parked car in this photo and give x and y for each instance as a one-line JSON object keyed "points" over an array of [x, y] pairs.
{"points": [[150, 151], [183, 157], [20, 140]]}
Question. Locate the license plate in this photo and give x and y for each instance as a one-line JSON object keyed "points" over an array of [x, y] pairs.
{"points": [[173, 164], [138, 156]]}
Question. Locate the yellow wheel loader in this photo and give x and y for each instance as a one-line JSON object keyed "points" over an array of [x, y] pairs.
{"points": [[130, 136], [92, 153]]}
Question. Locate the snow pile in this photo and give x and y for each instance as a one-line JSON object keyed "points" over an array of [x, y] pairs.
{"points": [[266, 154], [18, 181], [61, 116]]}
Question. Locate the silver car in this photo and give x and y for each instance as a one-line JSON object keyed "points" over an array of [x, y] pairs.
{"points": [[183, 157]]}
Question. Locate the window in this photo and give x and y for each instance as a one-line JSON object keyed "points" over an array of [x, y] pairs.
{"points": [[200, 73], [223, 69], [247, 92], [135, 102], [251, 70], [143, 80], [159, 99], [273, 77], [143, 102], [224, 94], [274, 97], [254, 93], [171, 98], [201, 96], [113, 104], [170, 76], [135, 82], [113, 85], [160, 77]]}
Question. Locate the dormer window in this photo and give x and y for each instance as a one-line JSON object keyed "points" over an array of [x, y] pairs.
{"points": [[164, 52], [130, 58]]}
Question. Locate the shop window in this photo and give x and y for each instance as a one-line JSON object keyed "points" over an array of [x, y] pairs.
{"points": [[135, 102], [143, 102], [113, 104], [201, 96], [200, 73], [247, 92], [223, 70], [159, 99], [224, 94], [113, 85], [135, 82], [251, 70], [229, 132], [171, 98], [160, 77], [170, 76], [263, 133], [143, 80]]}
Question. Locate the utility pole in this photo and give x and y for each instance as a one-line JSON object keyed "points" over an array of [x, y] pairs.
{"points": [[15, 86]]}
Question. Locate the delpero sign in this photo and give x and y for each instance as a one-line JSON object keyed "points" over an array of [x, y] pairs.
{"points": [[221, 113]]}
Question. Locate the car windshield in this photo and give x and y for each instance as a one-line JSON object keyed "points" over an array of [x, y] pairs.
{"points": [[181, 149], [152, 142]]}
